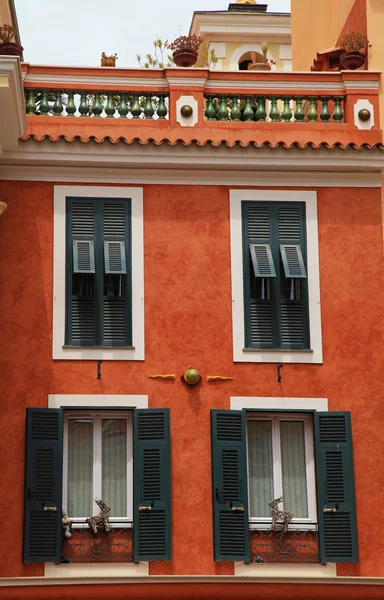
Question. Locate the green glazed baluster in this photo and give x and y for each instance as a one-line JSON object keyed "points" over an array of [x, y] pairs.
{"points": [[58, 105], [210, 112], [312, 113], [31, 104], [110, 107], [44, 104], [274, 114], [162, 107], [286, 115], [299, 112], [97, 109], [83, 108], [223, 109], [122, 109], [260, 111], [338, 114], [148, 107], [235, 109], [248, 113], [325, 114], [135, 107], [71, 107]]}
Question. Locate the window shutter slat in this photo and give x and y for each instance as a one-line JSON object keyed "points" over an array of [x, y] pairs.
{"points": [[335, 487], [83, 324], [152, 510], [114, 322], [262, 260], [293, 261], [83, 256], [261, 324], [229, 479], [289, 224], [292, 324], [114, 257], [43, 485]]}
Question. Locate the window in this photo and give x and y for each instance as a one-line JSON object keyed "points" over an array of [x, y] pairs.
{"points": [[98, 464], [276, 313], [281, 464], [279, 460], [98, 276], [275, 278], [98, 272]]}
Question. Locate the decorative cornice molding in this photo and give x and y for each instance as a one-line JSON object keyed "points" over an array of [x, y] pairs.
{"points": [[96, 81]]}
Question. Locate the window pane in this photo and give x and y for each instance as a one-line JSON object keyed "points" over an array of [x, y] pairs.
{"points": [[80, 467], [294, 468], [260, 467], [114, 461]]}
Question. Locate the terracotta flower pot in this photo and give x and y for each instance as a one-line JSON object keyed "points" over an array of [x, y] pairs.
{"points": [[352, 60], [184, 58], [259, 67], [11, 49]]}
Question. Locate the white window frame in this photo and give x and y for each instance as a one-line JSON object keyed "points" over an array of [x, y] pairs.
{"points": [[241, 354], [97, 416], [296, 523], [59, 351]]}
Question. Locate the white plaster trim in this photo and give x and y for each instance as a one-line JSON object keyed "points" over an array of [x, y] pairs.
{"points": [[253, 355], [186, 81], [271, 85], [220, 49], [137, 352], [102, 400], [285, 51], [270, 403], [361, 85], [13, 122], [260, 570], [359, 105], [263, 178], [244, 49], [96, 81], [193, 119], [96, 570]]}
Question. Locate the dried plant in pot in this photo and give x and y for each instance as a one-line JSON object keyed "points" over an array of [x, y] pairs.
{"points": [[7, 46], [352, 43], [265, 65], [185, 50]]}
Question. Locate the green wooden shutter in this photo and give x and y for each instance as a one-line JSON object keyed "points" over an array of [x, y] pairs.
{"points": [[262, 260], [83, 256], [43, 485], [116, 311], [293, 261], [260, 330], [229, 482], [335, 487], [152, 507]]}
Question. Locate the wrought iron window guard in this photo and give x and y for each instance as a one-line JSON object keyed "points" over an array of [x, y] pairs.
{"points": [[85, 547], [299, 545]]}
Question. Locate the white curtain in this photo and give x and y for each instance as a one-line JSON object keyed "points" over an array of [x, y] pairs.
{"points": [[80, 467], [260, 463], [294, 468], [114, 465]]}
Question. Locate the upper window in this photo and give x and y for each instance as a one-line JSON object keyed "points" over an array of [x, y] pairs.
{"points": [[98, 272], [275, 275]]}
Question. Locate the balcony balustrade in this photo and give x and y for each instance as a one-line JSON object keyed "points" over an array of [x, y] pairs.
{"points": [[299, 545]]}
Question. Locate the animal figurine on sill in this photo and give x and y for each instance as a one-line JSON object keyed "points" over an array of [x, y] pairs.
{"points": [[280, 515], [66, 526], [100, 520]]}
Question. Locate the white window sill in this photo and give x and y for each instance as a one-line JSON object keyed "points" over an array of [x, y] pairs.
{"points": [[98, 353], [256, 355], [96, 570], [287, 571]]}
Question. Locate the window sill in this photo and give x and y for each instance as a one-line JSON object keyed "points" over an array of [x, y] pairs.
{"points": [[278, 350], [98, 347], [95, 570], [275, 355], [285, 571], [65, 352]]}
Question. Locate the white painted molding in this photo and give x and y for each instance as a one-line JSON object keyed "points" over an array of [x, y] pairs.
{"points": [[104, 400], [98, 571], [359, 105], [244, 49], [193, 119], [288, 571], [59, 269], [13, 122], [3, 207], [315, 356], [278, 403], [96, 80], [285, 51], [186, 81]]}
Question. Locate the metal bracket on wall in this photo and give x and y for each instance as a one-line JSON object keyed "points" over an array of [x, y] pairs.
{"points": [[99, 369], [279, 366]]}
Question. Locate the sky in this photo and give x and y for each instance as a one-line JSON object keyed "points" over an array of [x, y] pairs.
{"points": [[76, 32]]}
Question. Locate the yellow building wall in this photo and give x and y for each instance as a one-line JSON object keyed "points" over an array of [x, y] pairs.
{"points": [[316, 25], [5, 13]]}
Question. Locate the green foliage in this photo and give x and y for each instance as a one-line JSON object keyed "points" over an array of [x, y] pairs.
{"points": [[208, 57], [353, 42], [159, 59]]}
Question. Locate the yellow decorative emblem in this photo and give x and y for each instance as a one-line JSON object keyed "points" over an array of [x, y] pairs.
{"points": [[162, 376], [218, 378]]}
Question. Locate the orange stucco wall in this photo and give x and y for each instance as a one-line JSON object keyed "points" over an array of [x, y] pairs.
{"points": [[188, 323]]}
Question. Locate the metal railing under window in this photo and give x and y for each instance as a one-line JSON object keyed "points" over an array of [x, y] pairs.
{"points": [[299, 545], [85, 547]]}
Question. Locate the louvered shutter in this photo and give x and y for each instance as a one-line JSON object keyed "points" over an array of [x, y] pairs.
{"points": [[294, 327], [81, 303], [43, 485], [116, 312], [335, 487], [257, 235], [229, 482], [152, 510]]}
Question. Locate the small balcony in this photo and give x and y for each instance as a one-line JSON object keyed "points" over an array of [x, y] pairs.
{"points": [[85, 547], [299, 545]]}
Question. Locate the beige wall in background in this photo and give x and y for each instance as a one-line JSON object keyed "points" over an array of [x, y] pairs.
{"points": [[328, 18], [5, 13]]}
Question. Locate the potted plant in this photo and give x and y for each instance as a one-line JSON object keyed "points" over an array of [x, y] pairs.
{"points": [[265, 65], [108, 61], [7, 46], [185, 50], [352, 43]]}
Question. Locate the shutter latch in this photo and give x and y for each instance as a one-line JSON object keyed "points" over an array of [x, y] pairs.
{"points": [[146, 506], [238, 508], [50, 508], [330, 510]]}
